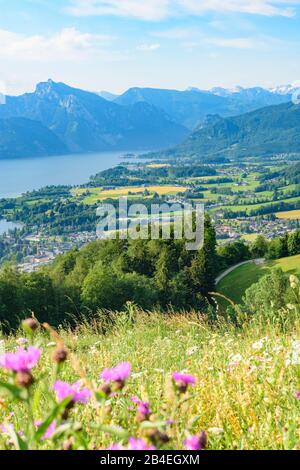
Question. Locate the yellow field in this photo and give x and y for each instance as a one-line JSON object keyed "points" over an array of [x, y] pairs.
{"points": [[250, 237], [96, 194], [293, 215], [158, 165]]}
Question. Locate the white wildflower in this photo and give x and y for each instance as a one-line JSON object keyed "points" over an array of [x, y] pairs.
{"points": [[192, 350], [235, 358], [258, 345], [137, 375], [21, 341], [217, 431]]}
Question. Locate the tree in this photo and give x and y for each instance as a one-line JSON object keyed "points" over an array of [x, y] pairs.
{"points": [[203, 269], [233, 253], [164, 271], [259, 247], [294, 243], [103, 289], [268, 294]]}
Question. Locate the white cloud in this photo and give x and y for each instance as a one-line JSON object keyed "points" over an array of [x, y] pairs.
{"points": [[159, 9], [260, 42], [235, 43], [68, 44], [258, 7], [148, 47], [142, 9]]}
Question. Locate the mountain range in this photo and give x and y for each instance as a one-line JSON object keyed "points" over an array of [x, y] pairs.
{"points": [[84, 122], [20, 137], [264, 132], [190, 108], [57, 118]]}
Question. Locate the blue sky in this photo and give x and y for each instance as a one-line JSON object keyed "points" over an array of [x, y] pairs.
{"points": [[116, 44]]}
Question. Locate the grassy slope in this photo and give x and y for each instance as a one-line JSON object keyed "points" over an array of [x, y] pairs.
{"points": [[253, 405], [235, 284]]}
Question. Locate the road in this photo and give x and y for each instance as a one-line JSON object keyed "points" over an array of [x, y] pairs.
{"points": [[233, 268]]}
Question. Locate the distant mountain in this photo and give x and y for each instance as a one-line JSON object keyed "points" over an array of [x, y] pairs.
{"points": [[190, 108], [21, 137], [107, 95], [249, 99], [86, 122], [187, 108], [267, 131], [286, 89]]}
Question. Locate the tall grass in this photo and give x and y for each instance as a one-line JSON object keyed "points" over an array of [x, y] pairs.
{"points": [[245, 396]]}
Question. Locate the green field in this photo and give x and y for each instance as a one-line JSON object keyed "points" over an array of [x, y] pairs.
{"points": [[235, 284]]}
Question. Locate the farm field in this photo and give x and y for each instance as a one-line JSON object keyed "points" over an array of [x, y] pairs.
{"points": [[235, 284], [250, 237], [292, 215], [95, 194], [249, 207], [243, 397], [158, 165]]}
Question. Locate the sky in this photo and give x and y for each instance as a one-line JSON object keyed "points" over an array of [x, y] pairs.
{"points": [[117, 44]]}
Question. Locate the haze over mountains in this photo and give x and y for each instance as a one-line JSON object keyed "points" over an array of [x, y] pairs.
{"points": [[57, 118], [189, 108], [264, 132]]}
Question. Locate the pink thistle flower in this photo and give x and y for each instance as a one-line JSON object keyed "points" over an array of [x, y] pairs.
{"points": [[115, 447], [75, 391], [183, 381], [22, 360], [50, 431], [117, 374], [143, 407], [139, 444], [297, 394], [198, 442]]}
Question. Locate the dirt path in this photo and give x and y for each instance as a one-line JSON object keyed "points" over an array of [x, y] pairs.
{"points": [[258, 261]]}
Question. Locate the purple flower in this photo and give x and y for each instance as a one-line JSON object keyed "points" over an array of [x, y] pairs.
{"points": [[115, 447], [22, 360], [75, 391], [143, 407], [50, 431], [117, 374], [6, 428], [183, 381], [139, 444], [198, 442], [297, 394]]}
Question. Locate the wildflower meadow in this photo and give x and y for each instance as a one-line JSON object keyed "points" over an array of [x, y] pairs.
{"points": [[140, 381]]}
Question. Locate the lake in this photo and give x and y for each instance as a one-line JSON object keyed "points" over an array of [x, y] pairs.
{"points": [[20, 175], [5, 226]]}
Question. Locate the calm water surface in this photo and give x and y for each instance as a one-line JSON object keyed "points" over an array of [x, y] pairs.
{"points": [[5, 226], [21, 175]]}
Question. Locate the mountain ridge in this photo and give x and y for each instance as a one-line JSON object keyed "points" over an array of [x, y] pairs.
{"points": [[85, 122], [267, 131]]}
